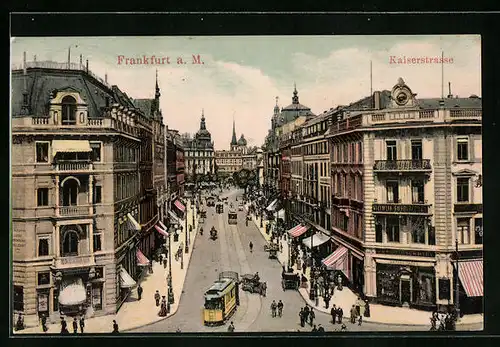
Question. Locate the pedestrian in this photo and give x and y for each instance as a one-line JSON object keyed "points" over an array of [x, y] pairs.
{"points": [[321, 288], [75, 326], [150, 266], [353, 314], [230, 328], [115, 327], [327, 301], [20, 322], [340, 314], [306, 314], [367, 308], [64, 326], [250, 245], [139, 292], [314, 329], [160, 258], [163, 308], [333, 312], [302, 317], [280, 308], [320, 329], [362, 307], [165, 263], [304, 267], [360, 320], [157, 298], [274, 306], [281, 247], [358, 306], [311, 317], [82, 324], [44, 323], [316, 299]]}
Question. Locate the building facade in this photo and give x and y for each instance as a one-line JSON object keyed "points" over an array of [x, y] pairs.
{"points": [[79, 191], [175, 166]]}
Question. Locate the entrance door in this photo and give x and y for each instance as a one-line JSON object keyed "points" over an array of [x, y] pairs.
{"points": [[405, 290]]}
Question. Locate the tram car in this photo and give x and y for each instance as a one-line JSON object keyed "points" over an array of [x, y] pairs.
{"points": [[232, 216], [221, 299], [219, 208]]}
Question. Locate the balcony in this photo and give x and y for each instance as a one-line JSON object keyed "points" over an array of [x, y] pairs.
{"points": [[402, 165], [400, 208], [74, 261], [468, 208], [73, 165], [82, 210]]}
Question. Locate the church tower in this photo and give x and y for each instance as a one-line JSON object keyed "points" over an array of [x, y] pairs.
{"points": [[234, 142]]}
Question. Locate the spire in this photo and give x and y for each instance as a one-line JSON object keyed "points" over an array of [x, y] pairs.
{"points": [[276, 107], [295, 98], [202, 123], [234, 142], [157, 89]]}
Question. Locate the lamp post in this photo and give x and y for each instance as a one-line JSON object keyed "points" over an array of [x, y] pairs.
{"points": [[457, 304], [186, 232], [170, 289]]}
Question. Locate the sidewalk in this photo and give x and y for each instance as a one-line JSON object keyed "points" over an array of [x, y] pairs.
{"points": [[134, 313], [346, 298]]}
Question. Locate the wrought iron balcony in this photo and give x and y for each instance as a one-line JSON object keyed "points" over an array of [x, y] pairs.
{"points": [[402, 165], [82, 210], [401, 208], [73, 165]]}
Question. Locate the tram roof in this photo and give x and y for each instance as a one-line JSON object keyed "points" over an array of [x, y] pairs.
{"points": [[219, 286]]}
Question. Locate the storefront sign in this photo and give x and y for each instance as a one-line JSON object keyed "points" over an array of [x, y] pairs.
{"points": [[43, 302], [424, 254]]}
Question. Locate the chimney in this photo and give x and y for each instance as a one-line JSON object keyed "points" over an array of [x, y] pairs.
{"points": [[106, 77], [376, 100]]}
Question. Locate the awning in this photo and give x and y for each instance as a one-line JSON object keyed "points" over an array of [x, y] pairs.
{"points": [[336, 259], [161, 231], [141, 259], [126, 281], [280, 214], [174, 218], [70, 146], [272, 205], [317, 240], [471, 275], [298, 230], [162, 226], [180, 206], [136, 225], [73, 292]]}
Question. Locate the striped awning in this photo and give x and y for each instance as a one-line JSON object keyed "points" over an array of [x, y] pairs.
{"points": [[136, 224], [336, 259], [141, 258], [174, 218], [298, 230], [180, 206], [471, 275], [161, 231], [70, 146], [272, 205], [162, 226], [73, 292], [126, 281]]}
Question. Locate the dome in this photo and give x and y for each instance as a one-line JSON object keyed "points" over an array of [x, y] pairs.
{"points": [[242, 141]]}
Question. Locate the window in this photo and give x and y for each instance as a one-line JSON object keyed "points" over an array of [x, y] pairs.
{"points": [[417, 229], [391, 150], [393, 229], [42, 152], [70, 192], [97, 242], [360, 152], [18, 298], [378, 232], [70, 243], [463, 232], [43, 278], [96, 151], [392, 191], [68, 110], [462, 149], [97, 194], [417, 191], [42, 196], [478, 231], [43, 247], [463, 189], [416, 149]]}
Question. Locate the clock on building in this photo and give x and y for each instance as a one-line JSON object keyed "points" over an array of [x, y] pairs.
{"points": [[402, 98]]}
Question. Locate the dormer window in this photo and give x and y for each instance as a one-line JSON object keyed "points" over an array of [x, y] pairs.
{"points": [[68, 110]]}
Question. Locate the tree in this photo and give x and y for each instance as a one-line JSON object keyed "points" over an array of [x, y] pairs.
{"points": [[242, 178]]}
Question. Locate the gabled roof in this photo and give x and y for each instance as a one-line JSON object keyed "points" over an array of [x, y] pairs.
{"points": [[144, 105]]}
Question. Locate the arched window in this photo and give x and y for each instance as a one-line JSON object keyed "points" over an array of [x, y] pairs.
{"points": [[70, 193], [68, 110], [70, 243]]}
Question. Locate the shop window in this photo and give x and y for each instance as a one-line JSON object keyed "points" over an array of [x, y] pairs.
{"points": [[42, 196], [42, 152], [43, 302], [478, 231], [43, 247], [43, 278], [18, 298], [99, 272], [444, 289]]}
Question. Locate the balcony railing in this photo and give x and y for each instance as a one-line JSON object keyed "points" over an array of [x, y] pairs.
{"points": [[74, 165], [75, 261], [402, 165], [401, 208], [74, 210]]}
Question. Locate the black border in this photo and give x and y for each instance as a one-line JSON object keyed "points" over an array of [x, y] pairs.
{"points": [[111, 24]]}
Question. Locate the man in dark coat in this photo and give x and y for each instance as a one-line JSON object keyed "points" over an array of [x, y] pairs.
{"points": [[139, 292], [82, 323], [333, 312], [311, 317], [340, 314], [326, 298], [306, 313], [64, 326], [302, 317], [354, 314], [320, 329], [115, 327], [75, 326], [157, 298]]}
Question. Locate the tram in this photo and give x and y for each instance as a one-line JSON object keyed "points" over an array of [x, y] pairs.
{"points": [[221, 299], [232, 216]]}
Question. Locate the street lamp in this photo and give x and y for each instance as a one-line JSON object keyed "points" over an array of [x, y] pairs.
{"points": [[186, 232], [457, 304]]}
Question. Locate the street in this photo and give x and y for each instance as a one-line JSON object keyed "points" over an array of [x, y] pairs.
{"points": [[230, 252]]}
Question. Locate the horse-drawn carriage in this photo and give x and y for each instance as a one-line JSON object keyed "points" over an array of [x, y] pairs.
{"points": [[290, 280], [251, 283], [273, 249], [213, 233]]}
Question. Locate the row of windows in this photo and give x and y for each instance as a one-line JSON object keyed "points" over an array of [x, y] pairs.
{"points": [[313, 129], [126, 186], [348, 186], [199, 154], [351, 222], [392, 152], [348, 152], [125, 229], [296, 167], [69, 196], [417, 191], [316, 148], [42, 149]]}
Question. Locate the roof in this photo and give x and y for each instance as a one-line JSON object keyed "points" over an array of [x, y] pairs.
{"points": [[295, 107], [316, 119], [219, 286], [145, 106], [41, 83], [471, 102]]}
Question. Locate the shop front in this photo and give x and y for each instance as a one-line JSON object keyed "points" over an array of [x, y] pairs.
{"points": [[406, 285]]}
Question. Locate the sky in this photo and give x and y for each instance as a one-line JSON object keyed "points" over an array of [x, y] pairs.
{"points": [[241, 76]]}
